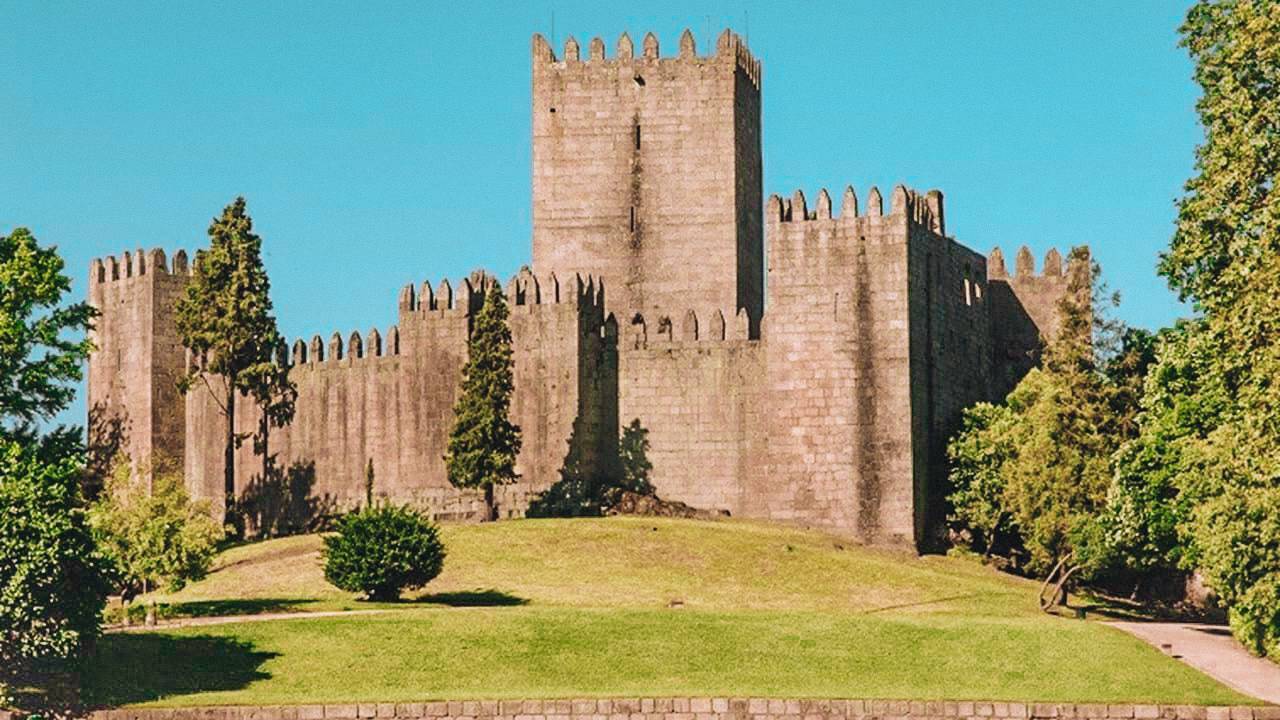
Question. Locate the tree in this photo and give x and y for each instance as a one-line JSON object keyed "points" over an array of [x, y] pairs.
{"points": [[1202, 481], [225, 317], [484, 443], [978, 454], [152, 530], [381, 551], [40, 356], [53, 582], [1034, 474]]}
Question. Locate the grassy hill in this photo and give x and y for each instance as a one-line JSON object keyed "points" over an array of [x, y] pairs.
{"points": [[636, 606]]}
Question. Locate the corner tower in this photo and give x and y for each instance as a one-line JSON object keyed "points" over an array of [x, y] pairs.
{"points": [[647, 172], [135, 408]]}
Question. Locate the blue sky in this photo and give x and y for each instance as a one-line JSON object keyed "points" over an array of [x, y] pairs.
{"points": [[384, 143]]}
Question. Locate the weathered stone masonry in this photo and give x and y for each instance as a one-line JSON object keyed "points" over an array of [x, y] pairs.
{"points": [[823, 396]]}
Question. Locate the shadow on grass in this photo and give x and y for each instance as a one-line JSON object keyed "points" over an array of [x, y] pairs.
{"points": [[257, 606], [472, 598], [141, 667], [212, 608]]}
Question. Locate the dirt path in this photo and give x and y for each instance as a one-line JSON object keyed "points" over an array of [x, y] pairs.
{"points": [[1212, 650], [226, 619]]}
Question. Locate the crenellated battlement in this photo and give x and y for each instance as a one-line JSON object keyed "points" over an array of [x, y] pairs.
{"points": [[687, 328], [925, 209], [137, 263], [730, 47], [523, 289], [354, 348], [1025, 265]]}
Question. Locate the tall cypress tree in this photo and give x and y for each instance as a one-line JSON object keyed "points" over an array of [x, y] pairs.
{"points": [[484, 442], [225, 316]]}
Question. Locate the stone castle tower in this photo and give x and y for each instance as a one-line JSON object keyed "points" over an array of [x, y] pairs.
{"points": [[825, 401]]}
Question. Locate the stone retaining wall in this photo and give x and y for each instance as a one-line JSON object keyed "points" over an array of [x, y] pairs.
{"points": [[695, 709]]}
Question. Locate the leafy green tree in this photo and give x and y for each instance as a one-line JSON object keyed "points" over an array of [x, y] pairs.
{"points": [[978, 455], [1033, 475], [152, 530], [484, 443], [40, 355], [225, 317], [382, 551], [53, 581], [1200, 486]]}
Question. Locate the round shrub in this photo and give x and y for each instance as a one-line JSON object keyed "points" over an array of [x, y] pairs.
{"points": [[382, 551]]}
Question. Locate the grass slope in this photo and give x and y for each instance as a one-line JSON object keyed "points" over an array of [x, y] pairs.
{"points": [[580, 607]]}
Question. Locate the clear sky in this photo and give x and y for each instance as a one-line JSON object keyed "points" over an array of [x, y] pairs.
{"points": [[386, 143]]}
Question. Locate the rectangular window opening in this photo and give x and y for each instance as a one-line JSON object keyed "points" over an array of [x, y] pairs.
{"points": [[637, 137], [633, 219]]}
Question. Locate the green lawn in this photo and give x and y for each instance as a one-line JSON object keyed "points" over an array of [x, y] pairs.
{"points": [[579, 608]]}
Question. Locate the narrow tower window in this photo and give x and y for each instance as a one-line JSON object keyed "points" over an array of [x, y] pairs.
{"points": [[637, 137], [633, 218]]}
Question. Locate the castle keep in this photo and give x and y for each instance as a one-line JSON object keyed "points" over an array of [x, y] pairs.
{"points": [[822, 396]]}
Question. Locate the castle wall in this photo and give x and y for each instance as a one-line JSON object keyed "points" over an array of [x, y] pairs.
{"points": [[695, 382], [950, 349], [833, 408], [1024, 311], [646, 172], [134, 404], [390, 399], [838, 374]]}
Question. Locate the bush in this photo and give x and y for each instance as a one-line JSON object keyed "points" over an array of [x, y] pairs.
{"points": [[382, 551], [152, 530]]}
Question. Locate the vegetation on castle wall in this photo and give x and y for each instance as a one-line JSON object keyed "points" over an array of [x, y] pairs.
{"points": [[484, 443]]}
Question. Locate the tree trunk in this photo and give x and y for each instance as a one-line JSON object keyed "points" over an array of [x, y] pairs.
{"points": [[229, 452], [490, 507]]}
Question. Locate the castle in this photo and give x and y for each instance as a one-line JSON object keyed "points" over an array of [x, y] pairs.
{"points": [[817, 383]]}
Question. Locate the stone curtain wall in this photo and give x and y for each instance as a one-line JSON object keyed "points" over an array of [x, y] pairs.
{"points": [[646, 171], [390, 398], [695, 383], [697, 709]]}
